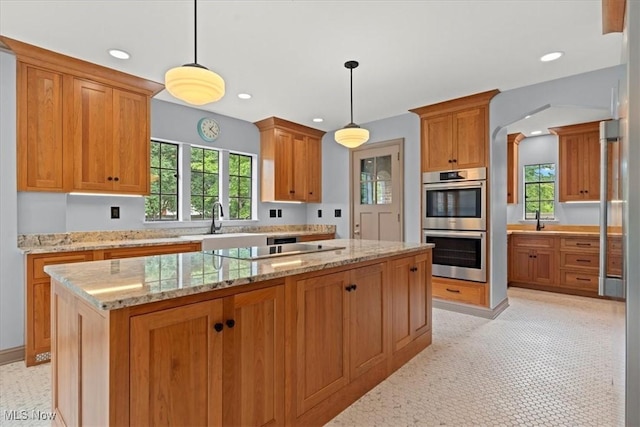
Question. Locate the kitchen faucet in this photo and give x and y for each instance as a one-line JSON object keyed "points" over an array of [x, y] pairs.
{"points": [[215, 228], [538, 225]]}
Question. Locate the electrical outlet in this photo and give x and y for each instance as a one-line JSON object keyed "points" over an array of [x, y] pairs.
{"points": [[338, 213], [115, 212], [272, 213], [279, 213], [319, 213]]}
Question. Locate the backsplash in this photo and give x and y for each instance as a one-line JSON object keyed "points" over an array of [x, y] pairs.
{"points": [[54, 239]]}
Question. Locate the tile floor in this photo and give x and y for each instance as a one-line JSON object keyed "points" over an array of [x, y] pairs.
{"points": [[548, 360]]}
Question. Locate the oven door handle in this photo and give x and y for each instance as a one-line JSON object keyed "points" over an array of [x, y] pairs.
{"points": [[456, 234], [454, 185]]}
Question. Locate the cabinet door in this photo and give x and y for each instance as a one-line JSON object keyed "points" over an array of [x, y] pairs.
{"points": [[591, 166], [299, 167], [92, 133], [421, 295], [283, 174], [521, 267], [367, 315], [130, 142], [314, 170], [253, 389], [571, 170], [469, 139], [544, 267], [40, 129], [401, 329], [437, 154], [322, 353], [176, 366]]}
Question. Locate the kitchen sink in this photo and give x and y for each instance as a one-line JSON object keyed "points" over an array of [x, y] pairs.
{"points": [[228, 240]]}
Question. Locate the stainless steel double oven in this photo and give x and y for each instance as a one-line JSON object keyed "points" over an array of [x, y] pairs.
{"points": [[454, 218]]}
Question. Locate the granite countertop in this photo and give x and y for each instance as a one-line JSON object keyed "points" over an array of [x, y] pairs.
{"points": [[70, 242], [114, 284]]}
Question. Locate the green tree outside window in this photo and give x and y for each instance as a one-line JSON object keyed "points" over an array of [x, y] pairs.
{"points": [[539, 190], [239, 186], [162, 202], [205, 187]]}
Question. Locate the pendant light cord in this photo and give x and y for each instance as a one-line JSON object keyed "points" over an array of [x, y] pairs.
{"points": [[351, 84], [195, 31]]}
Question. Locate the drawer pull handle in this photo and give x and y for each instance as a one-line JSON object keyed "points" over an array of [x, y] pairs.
{"points": [[455, 291], [583, 244], [583, 280], [583, 260]]}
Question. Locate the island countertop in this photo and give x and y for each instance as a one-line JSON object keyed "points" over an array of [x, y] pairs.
{"points": [[115, 284]]}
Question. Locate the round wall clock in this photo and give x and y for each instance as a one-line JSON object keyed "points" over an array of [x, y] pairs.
{"points": [[208, 129]]}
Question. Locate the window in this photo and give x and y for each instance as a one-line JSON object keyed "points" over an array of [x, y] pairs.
{"points": [[162, 202], [539, 190], [205, 188], [239, 186]]}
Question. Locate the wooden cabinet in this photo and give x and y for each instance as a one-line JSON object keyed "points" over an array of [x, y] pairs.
{"points": [[40, 129], [534, 259], [579, 162], [313, 237], [38, 303], [460, 291], [513, 170], [454, 134], [38, 283], [290, 161], [81, 127], [614, 256], [110, 147], [340, 331], [579, 263], [223, 360], [410, 299]]}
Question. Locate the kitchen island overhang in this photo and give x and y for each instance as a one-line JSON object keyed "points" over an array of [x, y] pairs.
{"points": [[195, 338]]}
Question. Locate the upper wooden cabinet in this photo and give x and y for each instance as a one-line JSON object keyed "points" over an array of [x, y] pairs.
{"points": [[454, 134], [290, 161], [513, 140], [81, 127], [579, 161]]}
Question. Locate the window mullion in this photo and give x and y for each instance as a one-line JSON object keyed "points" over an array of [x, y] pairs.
{"points": [[184, 182], [223, 181]]}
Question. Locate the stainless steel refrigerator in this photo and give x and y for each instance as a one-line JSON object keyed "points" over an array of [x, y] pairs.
{"points": [[611, 281]]}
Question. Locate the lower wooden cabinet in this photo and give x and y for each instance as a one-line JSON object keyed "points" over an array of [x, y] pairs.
{"points": [[312, 237], [218, 362], [38, 283], [460, 291]]}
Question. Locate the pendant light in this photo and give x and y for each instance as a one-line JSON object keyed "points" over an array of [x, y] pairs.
{"points": [[194, 83], [351, 135]]}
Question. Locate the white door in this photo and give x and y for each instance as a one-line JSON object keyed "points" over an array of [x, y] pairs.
{"points": [[377, 192]]}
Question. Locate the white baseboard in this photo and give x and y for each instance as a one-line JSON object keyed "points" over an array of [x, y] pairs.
{"points": [[11, 355], [473, 310]]}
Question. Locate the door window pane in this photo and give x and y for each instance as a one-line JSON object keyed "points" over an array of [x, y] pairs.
{"points": [[375, 181]]}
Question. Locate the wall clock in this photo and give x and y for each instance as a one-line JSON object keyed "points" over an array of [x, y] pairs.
{"points": [[208, 129]]}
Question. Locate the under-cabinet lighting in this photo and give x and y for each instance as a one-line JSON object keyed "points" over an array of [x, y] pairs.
{"points": [[114, 289], [286, 201], [105, 194]]}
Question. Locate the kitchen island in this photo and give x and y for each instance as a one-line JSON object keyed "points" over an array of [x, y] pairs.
{"points": [[199, 339]]}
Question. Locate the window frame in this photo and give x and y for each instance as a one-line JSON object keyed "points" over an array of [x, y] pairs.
{"points": [[160, 170], [539, 201]]}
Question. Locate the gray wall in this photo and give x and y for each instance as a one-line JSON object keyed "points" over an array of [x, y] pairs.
{"points": [[11, 260], [592, 90], [335, 174], [544, 149]]}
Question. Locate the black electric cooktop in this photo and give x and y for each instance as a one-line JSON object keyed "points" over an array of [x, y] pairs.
{"points": [[261, 252]]}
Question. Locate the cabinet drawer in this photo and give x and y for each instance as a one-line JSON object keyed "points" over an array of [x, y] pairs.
{"points": [[312, 237], [589, 261], [533, 241], [580, 281], [614, 264], [614, 244], [470, 294], [586, 243], [40, 261]]}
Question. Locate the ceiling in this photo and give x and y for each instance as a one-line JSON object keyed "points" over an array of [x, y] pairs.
{"points": [[556, 115], [290, 54]]}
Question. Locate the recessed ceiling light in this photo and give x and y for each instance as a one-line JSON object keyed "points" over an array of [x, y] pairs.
{"points": [[244, 95], [536, 132], [318, 120], [551, 56], [120, 54]]}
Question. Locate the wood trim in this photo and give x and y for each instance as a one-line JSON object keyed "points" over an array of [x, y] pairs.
{"points": [[471, 101], [554, 227], [10, 355], [613, 16], [577, 128], [275, 122], [516, 138], [58, 62]]}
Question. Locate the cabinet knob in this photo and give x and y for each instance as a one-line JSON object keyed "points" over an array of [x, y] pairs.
{"points": [[586, 191], [351, 287], [450, 161], [218, 327], [413, 269], [311, 192], [116, 179], [455, 160], [581, 192], [230, 323], [291, 191], [109, 178]]}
